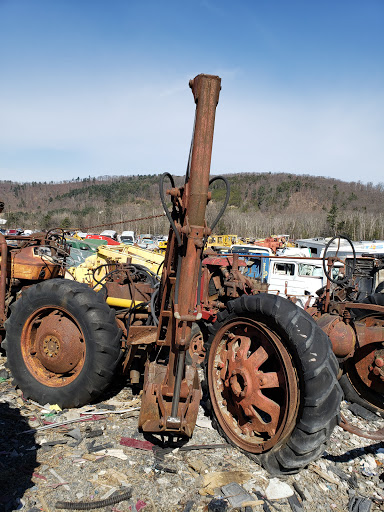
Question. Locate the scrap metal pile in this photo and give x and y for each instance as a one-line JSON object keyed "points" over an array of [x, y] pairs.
{"points": [[272, 378]]}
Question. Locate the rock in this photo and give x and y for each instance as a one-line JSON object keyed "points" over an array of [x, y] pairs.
{"points": [[278, 490]]}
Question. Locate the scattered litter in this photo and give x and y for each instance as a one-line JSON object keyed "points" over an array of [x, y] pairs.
{"points": [[75, 433], [203, 446], [119, 454], [112, 477], [217, 505], [204, 422], [324, 475], [60, 479], [211, 481], [37, 475], [368, 466], [109, 493], [188, 506], [54, 443], [359, 504], [323, 487], [277, 490], [55, 408], [307, 494], [140, 504], [92, 448], [67, 422], [198, 466], [4, 374], [83, 505], [236, 495], [166, 469], [136, 443], [340, 473], [94, 433], [299, 491], [294, 503]]}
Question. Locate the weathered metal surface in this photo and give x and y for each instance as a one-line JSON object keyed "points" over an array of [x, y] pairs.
{"points": [[197, 350], [342, 335], [156, 408], [253, 385], [376, 435], [368, 364], [172, 392], [28, 264], [53, 346], [223, 262], [141, 334]]}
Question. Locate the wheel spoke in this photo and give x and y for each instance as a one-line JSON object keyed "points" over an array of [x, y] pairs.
{"points": [[245, 344], [263, 412], [258, 357], [269, 380]]}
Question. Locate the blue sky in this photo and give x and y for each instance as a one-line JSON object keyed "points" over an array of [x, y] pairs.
{"points": [[89, 88]]}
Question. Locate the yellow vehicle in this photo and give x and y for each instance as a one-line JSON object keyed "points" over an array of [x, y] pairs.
{"points": [[222, 240], [96, 267], [162, 247]]}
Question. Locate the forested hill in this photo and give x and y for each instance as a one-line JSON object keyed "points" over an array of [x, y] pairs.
{"points": [[260, 204]]}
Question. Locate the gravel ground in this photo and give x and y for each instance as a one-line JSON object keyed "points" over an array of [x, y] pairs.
{"points": [[41, 467]]}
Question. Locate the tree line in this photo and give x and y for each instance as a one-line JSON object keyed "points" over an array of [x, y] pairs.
{"points": [[260, 204]]}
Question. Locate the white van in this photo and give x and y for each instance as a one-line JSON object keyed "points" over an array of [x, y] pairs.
{"points": [[127, 237]]}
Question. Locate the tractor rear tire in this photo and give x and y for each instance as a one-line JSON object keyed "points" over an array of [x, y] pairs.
{"points": [[62, 343], [272, 380]]}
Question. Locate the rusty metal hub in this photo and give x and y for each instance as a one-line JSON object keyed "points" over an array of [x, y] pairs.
{"points": [[253, 385], [53, 346], [197, 350]]}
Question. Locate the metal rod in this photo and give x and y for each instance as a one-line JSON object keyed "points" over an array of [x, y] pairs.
{"points": [[179, 376]]}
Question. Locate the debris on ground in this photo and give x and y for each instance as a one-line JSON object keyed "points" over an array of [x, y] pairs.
{"points": [[95, 455]]}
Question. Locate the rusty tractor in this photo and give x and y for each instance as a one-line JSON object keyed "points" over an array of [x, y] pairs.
{"points": [[350, 310], [270, 374]]}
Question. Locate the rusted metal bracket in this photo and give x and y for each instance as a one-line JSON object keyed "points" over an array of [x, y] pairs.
{"points": [[377, 435]]}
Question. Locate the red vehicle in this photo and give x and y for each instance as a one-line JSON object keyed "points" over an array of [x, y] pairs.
{"points": [[108, 239]]}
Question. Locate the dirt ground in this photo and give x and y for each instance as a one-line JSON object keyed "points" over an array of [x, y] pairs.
{"points": [[101, 454]]}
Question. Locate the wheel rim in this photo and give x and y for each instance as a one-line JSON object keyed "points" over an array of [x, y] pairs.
{"points": [[365, 369], [253, 385], [53, 347]]}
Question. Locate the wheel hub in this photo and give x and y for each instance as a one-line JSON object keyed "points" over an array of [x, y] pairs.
{"points": [[59, 344]]}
